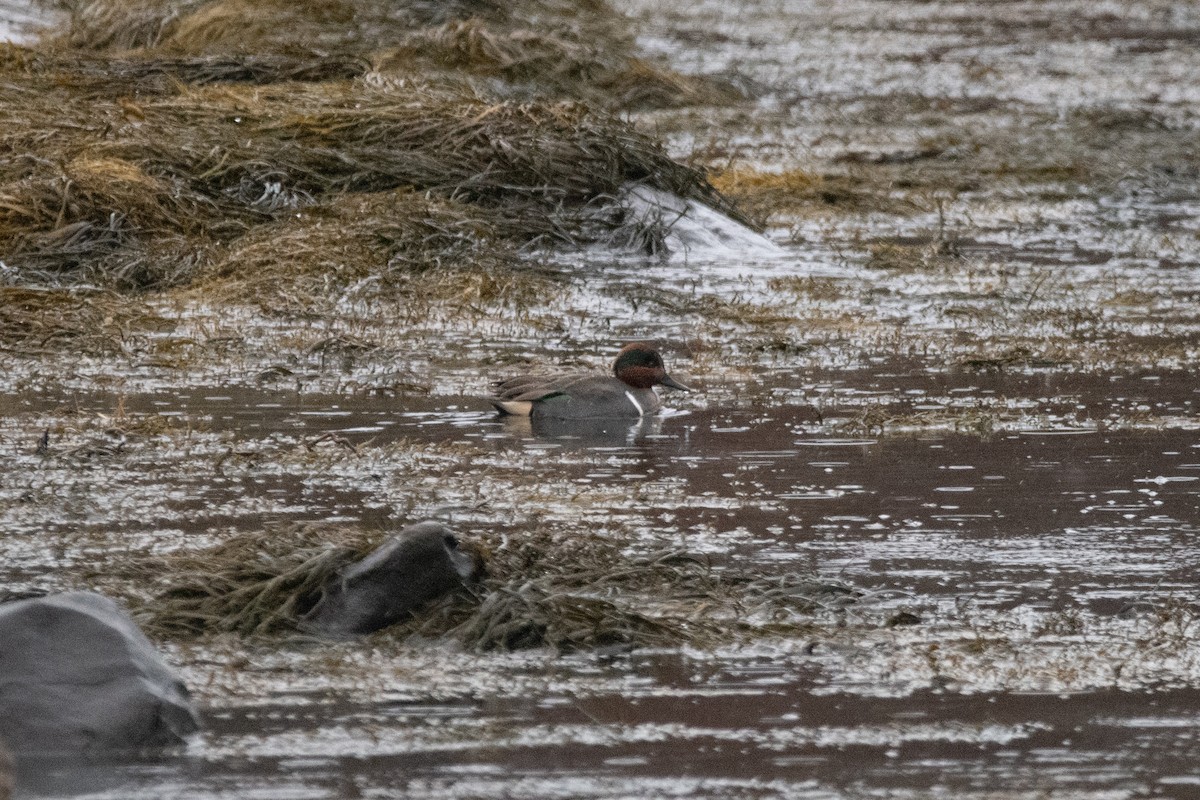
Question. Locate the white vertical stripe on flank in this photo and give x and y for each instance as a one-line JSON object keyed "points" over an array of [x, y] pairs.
{"points": [[636, 404]]}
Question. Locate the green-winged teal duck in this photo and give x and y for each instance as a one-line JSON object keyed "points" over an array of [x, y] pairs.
{"points": [[628, 393]]}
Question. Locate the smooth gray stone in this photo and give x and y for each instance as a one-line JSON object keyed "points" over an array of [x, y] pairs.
{"points": [[77, 676], [420, 563]]}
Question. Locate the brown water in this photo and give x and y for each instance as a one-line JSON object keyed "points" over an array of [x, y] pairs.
{"points": [[1041, 568], [753, 731]]}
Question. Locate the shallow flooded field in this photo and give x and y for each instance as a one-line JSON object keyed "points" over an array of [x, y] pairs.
{"points": [[956, 389], [1025, 618]]}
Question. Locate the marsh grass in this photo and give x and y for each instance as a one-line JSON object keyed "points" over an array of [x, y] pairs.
{"points": [[151, 194], [802, 193], [565, 592], [545, 48], [250, 584], [131, 74], [561, 62], [34, 321], [294, 152], [881, 420]]}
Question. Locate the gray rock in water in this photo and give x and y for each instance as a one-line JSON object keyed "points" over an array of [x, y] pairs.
{"points": [[420, 563], [77, 676]]}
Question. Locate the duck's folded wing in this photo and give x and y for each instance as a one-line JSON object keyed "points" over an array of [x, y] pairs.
{"points": [[517, 395]]}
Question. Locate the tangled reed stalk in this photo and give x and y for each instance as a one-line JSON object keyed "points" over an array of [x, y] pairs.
{"points": [[566, 593]]}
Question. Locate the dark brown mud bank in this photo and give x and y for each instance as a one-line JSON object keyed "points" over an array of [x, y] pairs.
{"points": [[927, 526]]}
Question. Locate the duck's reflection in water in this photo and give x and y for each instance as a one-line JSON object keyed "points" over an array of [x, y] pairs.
{"points": [[610, 432]]}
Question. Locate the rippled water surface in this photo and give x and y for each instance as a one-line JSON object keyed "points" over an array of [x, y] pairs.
{"points": [[1036, 570], [965, 390]]}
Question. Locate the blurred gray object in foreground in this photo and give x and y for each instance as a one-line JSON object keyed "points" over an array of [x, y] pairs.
{"points": [[77, 677]]}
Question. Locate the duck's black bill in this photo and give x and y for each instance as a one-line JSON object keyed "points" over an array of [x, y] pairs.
{"points": [[674, 384]]}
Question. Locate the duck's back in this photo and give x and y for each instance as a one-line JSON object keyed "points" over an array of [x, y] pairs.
{"points": [[574, 397], [517, 395]]}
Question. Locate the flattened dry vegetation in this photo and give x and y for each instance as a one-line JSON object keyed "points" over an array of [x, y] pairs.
{"points": [[562, 590], [805, 193], [147, 195], [36, 320], [304, 153], [544, 48]]}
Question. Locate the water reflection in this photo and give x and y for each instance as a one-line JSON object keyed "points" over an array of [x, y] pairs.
{"points": [[584, 433]]}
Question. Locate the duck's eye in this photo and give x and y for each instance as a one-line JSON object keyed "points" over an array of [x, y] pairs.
{"points": [[451, 542]]}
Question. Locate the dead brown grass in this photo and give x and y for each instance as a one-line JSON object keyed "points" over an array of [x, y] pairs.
{"points": [[252, 585], [532, 48], [295, 151], [436, 256], [34, 321], [798, 192], [563, 62], [542, 590], [137, 73], [120, 185]]}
